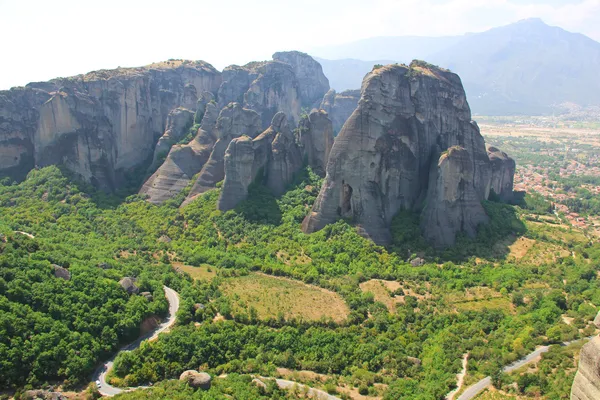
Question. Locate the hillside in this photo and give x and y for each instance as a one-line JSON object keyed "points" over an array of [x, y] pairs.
{"points": [[520, 69]]}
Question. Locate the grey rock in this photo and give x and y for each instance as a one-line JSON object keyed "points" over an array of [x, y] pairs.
{"points": [[129, 285], [586, 385], [195, 379], [417, 262], [60, 272], [147, 295], [502, 173], [183, 161], [179, 121], [452, 204], [315, 134], [380, 161], [38, 394], [274, 152], [340, 106], [234, 121], [97, 124], [312, 81], [104, 265], [204, 98]]}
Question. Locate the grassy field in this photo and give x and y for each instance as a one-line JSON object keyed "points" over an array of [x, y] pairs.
{"points": [[273, 296], [205, 272]]}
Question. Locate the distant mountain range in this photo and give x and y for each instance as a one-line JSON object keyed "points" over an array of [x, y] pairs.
{"points": [[525, 68]]}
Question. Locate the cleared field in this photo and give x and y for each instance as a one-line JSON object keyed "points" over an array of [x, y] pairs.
{"points": [[382, 289], [204, 272], [271, 296], [499, 303]]}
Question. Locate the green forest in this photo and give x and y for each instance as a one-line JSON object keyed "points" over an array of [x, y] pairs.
{"points": [[52, 329]]}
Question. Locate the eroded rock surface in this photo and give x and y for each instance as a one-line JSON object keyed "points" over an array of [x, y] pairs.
{"points": [[98, 123], [586, 385], [183, 161], [196, 379], [340, 106], [315, 135], [452, 203], [313, 83], [502, 173], [273, 153], [179, 122], [381, 160], [234, 121]]}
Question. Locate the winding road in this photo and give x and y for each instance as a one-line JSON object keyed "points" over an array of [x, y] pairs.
{"points": [[100, 375], [480, 386]]}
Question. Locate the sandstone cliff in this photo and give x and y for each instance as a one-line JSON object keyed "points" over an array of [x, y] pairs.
{"points": [[502, 173], [234, 121], [452, 202], [586, 385], [274, 154], [340, 106], [183, 161], [98, 123], [312, 82], [315, 135], [381, 160]]}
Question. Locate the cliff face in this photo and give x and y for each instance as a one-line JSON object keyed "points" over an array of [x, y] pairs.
{"points": [[381, 161], [586, 385], [315, 135], [99, 123], [340, 106], [273, 153], [313, 84], [502, 173]]}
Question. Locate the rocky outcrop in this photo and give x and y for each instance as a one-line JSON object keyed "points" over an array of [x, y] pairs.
{"points": [[183, 161], [234, 121], [179, 122], [313, 83], [586, 385], [502, 173], [340, 106], [381, 160], [128, 284], [98, 123], [195, 379], [452, 203], [61, 272], [274, 154], [315, 135]]}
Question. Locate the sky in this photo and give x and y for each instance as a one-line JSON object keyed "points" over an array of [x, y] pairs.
{"points": [[44, 39]]}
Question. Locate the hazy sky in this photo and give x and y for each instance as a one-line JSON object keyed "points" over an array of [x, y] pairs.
{"points": [[43, 39]]}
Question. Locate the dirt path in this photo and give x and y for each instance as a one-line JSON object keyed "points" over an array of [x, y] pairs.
{"points": [[460, 378]]}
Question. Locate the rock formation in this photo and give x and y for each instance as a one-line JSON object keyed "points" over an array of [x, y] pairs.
{"points": [[183, 161], [586, 385], [234, 121], [198, 380], [98, 123], [452, 202], [128, 284], [179, 121], [61, 272], [274, 154], [315, 135], [312, 83], [340, 106], [381, 160], [502, 173]]}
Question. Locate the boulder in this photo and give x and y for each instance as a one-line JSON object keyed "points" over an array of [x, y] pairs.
{"points": [[234, 121], [502, 173], [313, 83], [340, 106], [417, 262], [274, 153], [195, 379], [60, 272], [315, 134], [452, 204], [586, 385], [380, 162], [183, 161], [99, 124], [129, 285], [147, 295], [104, 265], [39, 394]]}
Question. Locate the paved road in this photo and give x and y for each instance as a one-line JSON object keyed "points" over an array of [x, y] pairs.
{"points": [[478, 387], [100, 374]]}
